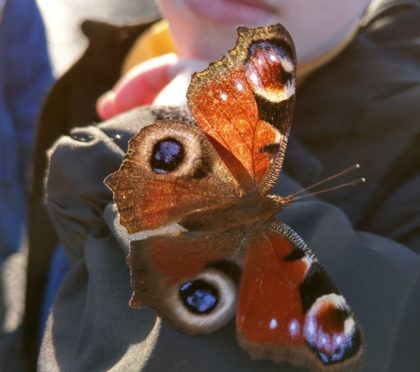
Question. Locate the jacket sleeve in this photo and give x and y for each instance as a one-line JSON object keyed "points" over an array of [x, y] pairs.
{"points": [[27, 79], [395, 207], [91, 326]]}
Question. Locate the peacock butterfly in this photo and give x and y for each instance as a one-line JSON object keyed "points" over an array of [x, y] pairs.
{"points": [[230, 254]]}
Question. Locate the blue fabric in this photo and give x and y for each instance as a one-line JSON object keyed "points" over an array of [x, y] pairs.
{"points": [[25, 76]]}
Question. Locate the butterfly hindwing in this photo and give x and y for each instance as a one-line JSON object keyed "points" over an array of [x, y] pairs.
{"points": [[169, 170], [244, 102], [182, 277], [289, 310]]}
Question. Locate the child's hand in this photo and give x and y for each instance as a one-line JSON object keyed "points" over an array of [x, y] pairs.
{"points": [[161, 80]]}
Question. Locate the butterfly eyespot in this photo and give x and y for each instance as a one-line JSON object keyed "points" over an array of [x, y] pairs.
{"points": [[330, 330], [167, 155], [205, 302], [199, 297], [271, 72]]}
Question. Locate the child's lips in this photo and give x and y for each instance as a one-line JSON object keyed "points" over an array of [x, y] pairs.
{"points": [[234, 12]]}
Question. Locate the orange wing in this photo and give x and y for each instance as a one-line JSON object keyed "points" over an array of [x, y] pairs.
{"points": [[290, 310], [244, 102], [169, 171]]}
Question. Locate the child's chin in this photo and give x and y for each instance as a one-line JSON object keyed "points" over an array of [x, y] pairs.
{"points": [[232, 12]]}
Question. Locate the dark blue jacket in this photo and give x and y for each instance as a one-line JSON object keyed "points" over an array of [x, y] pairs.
{"points": [[25, 76]]}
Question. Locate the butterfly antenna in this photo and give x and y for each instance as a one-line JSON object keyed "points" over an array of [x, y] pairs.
{"points": [[334, 176], [298, 195], [341, 186]]}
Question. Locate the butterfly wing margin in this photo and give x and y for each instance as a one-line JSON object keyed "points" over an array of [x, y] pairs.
{"points": [[289, 310], [149, 196], [245, 101]]}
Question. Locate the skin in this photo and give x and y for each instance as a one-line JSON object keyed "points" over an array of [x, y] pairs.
{"points": [[203, 34]]}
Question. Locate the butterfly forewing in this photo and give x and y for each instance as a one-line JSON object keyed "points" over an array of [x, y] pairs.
{"points": [[170, 170], [290, 310], [245, 101]]}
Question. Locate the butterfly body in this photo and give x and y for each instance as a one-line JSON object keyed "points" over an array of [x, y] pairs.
{"points": [[211, 180], [248, 211]]}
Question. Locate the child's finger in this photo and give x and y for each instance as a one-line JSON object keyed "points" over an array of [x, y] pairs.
{"points": [[138, 87]]}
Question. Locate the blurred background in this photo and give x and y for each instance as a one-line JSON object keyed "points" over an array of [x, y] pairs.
{"points": [[62, 20], [25, 79]]}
